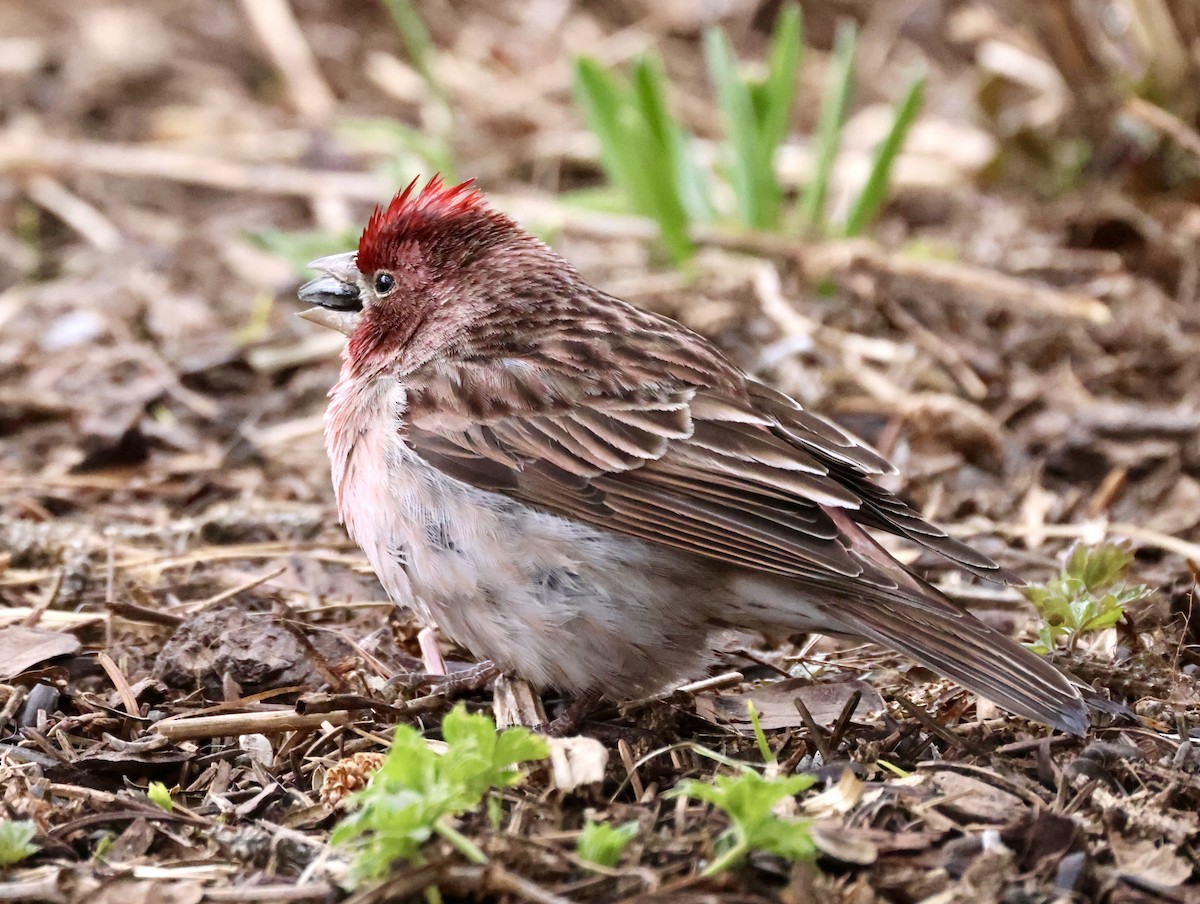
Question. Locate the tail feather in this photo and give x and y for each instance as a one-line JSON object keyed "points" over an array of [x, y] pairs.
{"points": [[916, 619], [954, 643]]}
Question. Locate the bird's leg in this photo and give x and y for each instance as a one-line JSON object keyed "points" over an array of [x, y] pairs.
{"points": [[469, 679], [567, 722]]}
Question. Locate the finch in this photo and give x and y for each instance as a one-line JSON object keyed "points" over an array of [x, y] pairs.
{"points": [[584, 493]]}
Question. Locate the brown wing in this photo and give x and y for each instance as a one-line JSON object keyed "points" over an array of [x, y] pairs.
{"points": [[731, 470]]}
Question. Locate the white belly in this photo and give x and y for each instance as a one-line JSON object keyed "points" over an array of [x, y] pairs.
{"points": [[555, 601]]}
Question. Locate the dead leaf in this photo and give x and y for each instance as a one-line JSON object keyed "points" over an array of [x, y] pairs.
{"points": [[577, 761], [1160, 865], [23, 648], [845, 844], [837, 799], [972, 800], [776, 705], [148, 891], [1043, 837]]}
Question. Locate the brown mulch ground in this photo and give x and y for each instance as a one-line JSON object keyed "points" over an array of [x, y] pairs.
{"points": [[169, 552]]}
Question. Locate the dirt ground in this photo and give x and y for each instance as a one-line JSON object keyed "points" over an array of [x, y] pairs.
{"points": [[1020, 334]]}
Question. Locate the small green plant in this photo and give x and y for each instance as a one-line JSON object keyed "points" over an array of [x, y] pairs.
{"points": [[16, 841], [645, 152], [760, 738], [602, 844], [158, 794], [834, 108], [756, 114], [870, 199], [415, 793], [749, 800], [893, 768], [829, 125], [648, 156], [1089, 594]]}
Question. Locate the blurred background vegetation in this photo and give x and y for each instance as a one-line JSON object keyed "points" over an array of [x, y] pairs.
{"points": [[968, 230]]}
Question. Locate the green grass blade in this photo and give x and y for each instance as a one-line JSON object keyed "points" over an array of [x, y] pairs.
{"points": [[650, 97], [764, 749], [601, 98], [779, 90], [418, 43], [641, 146], [665, 162], [752, 186], [673, 150], [874, 192], [691, 180], [829, 129]]}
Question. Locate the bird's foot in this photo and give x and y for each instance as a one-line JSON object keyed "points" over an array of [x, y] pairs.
{"points": [[571, 716], [457, 682]]}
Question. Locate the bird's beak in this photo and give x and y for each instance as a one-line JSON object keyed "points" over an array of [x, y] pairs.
{"points": [[336, 295]]}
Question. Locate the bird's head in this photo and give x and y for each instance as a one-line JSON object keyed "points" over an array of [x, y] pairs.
{"points": [[429, 266]]}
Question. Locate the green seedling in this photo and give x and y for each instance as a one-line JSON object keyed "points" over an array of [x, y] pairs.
{"points": [[16, 841], [874, 192], [829, 125], [158, 794], [416, 793], [602, 844], [1089, 594], [756, 115], [760, 738], [644, 151], [748, 800], [648, 158]]}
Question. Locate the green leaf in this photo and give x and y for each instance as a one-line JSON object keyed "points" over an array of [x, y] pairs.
{"points": [[874, 192], [894, 769], [416, 792], [1087, 595], [756, 115], [16, 837], [829, 128], [749, 799], [603, 844], [643, 151], [779, 89], [495, 812], [751, 185], [1098, 567], [158, 794], [764, 749], [667, 161], [600, 97]]}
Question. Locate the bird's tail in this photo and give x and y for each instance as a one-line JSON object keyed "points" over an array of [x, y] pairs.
{"points": [[914, 618], [951, 642]]}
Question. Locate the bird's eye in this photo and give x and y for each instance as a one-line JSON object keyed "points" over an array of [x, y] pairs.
{"points": [[384, 282]]}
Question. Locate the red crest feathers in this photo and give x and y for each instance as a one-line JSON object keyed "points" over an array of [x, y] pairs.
{"points": [[407, 212]]}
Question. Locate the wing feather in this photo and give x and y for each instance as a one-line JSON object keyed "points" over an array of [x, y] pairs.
{"points": [[689, 455]]}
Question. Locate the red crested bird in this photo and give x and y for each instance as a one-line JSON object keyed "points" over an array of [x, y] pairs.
{"points": [[585, 493]]}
